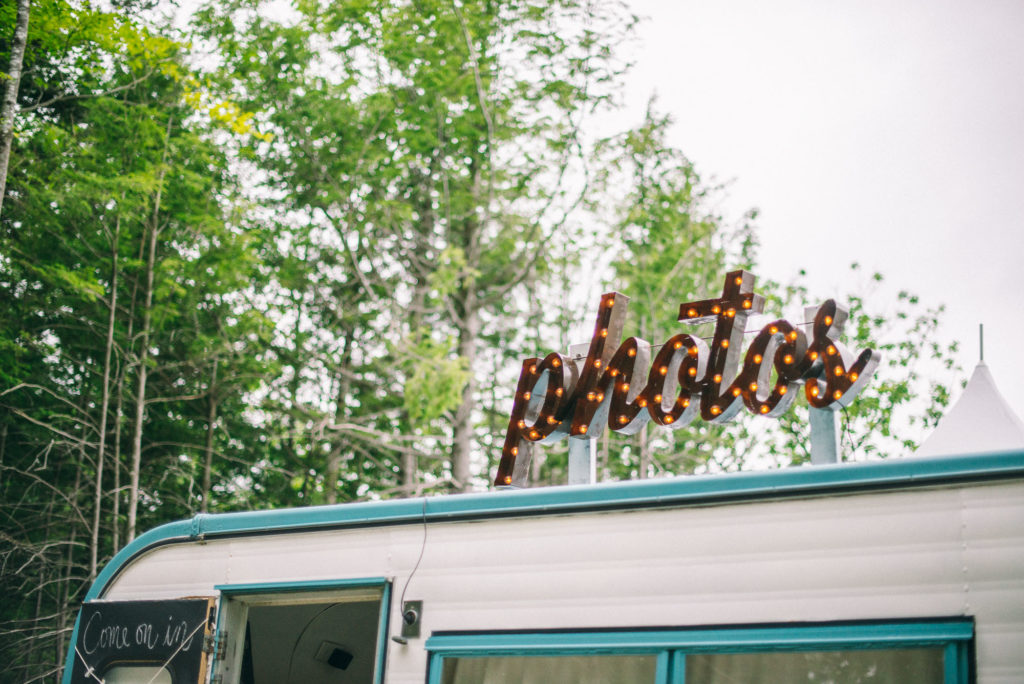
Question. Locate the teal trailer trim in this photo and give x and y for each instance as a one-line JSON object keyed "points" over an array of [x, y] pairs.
{"points": [[672, 645], [723, 640], [241, 590], [311, 585]]}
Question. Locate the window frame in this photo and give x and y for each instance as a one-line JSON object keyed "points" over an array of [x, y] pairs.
{"points": [[670, 646], [236, 598]]}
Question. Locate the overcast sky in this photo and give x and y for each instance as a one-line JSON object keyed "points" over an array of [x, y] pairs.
{"points": [[891, 134]]}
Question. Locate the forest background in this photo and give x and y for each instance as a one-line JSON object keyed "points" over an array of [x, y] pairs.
{"points": [[260, 255]]}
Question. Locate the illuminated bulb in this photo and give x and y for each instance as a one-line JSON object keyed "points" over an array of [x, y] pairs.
{"points": [[526, 396], [831, 350], [716, 309], [657, 398], [624, 387], [685, 403], [792, 336], [590, 396], [725, 344], [739, 280], [764, 408], [692, 351], [555, 362], [788, 358], [814, 391], [837, 394], [753, 387], [508, 479], [677, 345], [668, 419], [597, 363], [533, 369], [521, 424], [736, 391], [551, 420], [558, 391], [715, 410], [718, 378], [692, 313], [814, 356], [604, 332], [774, 329], [600, 396], [583, 429], [642, 403], [828, 320], [838, 371], [746, 303], [610, 302], [853, 377], [731, 313], [631, 352], [783, 390], [613, 372], [692, 372], [534, 434], [623, 420], [758, 358], [515, 451], [663, 370]]}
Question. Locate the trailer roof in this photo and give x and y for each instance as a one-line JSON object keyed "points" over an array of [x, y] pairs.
{"points": [[681, 491]]}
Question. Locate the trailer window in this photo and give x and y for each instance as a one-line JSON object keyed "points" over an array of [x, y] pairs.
{"points": [[879, 666], [926, 652], [592, 669]]}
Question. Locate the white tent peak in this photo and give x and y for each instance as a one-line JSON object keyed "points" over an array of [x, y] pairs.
{"points": [[981, 421]]}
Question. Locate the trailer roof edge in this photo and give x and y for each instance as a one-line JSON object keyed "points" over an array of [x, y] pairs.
{"points": [[677, 491]]}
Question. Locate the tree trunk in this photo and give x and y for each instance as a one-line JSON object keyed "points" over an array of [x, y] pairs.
{"points": [[147, 318], [211, 418], [10, 103], [469, 333], [115, 537], [104, 406]]}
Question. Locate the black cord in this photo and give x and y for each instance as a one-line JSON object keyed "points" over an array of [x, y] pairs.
{"points": [[423, 547]]}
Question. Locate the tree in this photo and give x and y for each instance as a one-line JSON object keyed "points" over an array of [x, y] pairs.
{"points": [[423, 151]]}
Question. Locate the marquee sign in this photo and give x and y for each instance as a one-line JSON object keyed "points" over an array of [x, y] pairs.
{"points": [[556, 397]]}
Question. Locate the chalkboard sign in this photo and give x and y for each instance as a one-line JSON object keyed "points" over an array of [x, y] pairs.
{"points": [[168, 634]]}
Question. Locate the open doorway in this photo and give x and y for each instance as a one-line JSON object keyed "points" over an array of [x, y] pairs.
{"points": [[328, 636]]}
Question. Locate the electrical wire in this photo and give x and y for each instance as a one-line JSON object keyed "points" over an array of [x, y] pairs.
{"points": [[423, 547]]}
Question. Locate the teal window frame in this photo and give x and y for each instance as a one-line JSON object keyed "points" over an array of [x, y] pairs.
{"points": [[240, 591], [671, 646]]}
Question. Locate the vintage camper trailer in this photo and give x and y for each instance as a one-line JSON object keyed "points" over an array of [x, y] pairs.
{"points": [[908, 570]]}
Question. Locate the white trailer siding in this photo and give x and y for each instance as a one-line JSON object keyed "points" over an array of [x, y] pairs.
{"points": [[908, 552]]}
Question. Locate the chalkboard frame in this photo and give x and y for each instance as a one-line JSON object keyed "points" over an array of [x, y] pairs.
{"points": [[173, 633]]}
